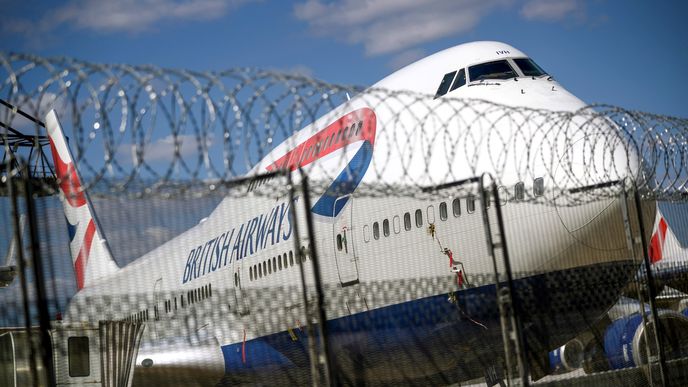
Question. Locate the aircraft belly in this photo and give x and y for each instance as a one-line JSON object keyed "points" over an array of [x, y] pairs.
{"points": [[444, 337]]}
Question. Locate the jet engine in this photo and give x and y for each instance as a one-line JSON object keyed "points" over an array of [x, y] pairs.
{"points": [[567, 358], [628, 342]]}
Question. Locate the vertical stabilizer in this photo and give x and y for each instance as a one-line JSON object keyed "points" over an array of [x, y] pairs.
{"points": [[90, 254], [664, 246]]}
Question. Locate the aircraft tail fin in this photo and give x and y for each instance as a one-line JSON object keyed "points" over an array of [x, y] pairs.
{"points": [[664, 246], [90, 253]]}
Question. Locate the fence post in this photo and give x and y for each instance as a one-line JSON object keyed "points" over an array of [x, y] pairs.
{"points": [[652, 292], [39, 277], [18, 179], [508, 308], [321, 361]]}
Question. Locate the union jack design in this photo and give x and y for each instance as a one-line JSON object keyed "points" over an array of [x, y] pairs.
{"points": [[90, 255]]}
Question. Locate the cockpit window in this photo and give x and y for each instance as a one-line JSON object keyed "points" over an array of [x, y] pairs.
{"points": [[499, 69], [460, 80], [529, 68], [444, 85]]}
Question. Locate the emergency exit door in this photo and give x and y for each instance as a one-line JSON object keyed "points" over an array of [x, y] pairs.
{"points": [[344, 246]]}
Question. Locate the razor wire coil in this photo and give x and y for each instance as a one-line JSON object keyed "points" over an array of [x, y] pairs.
{"points": [[145, 129]]}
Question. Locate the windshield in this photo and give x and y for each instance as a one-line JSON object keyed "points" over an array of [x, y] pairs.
{"points": [[529, 68], [491, 70]]}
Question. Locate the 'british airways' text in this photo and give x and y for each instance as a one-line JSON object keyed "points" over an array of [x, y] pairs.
{"points": [[240, 242]]}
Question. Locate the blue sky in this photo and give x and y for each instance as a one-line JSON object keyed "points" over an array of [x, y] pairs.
{"points": [[627, 53]]}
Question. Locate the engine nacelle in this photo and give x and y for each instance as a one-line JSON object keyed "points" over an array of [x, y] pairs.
{"points": [[627, 341], [567, 358], [177, 362]]}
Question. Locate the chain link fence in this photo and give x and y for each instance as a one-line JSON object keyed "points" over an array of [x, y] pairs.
{"points": [[414, 240]]}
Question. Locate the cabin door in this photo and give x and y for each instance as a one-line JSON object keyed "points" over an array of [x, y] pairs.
{"points": [[344, 246], [239, 292], [158, 306]]}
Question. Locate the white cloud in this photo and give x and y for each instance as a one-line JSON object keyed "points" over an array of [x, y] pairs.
{"points": [[401, 27], [302, 70], [389, 26], [551, 10], [164, 149], [124, 15], [36, 106]]}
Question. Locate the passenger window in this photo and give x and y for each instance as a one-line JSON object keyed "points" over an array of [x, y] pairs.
{"points": [[539, 186], [419, 218], [274, 263], [460, 80], [265, 268], [444, 85], [291, 258], [456, 207], [519, 191], [269, 266], [396, 224], [250, 273], [407, 221], [376, 231], [385, 227], [279, 262], [366, 233], [431, 214], [339, 242], [79, 364], [470, 204], [443, 211]]}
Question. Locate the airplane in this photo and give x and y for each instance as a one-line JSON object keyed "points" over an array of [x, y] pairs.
{"points": [[222, 302]]}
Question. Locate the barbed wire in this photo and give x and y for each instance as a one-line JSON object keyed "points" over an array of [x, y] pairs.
{"points": [[145, 129]]}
